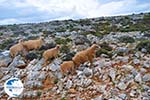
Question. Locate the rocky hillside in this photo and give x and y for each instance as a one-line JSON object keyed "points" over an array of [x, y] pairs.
{"points": [[121, 69]]}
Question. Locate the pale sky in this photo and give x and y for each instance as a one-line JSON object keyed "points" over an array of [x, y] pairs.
{"points": [[29, 11]]}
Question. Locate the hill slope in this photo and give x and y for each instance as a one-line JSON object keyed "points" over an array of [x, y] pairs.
{"points": [[120, 69]]}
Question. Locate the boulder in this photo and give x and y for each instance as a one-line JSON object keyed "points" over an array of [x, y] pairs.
{"points": [[146, 78], [5, 60], [80, 39], [87, 72]]}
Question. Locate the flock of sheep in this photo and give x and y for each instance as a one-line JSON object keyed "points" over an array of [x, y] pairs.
{"points": [[22, 47]]}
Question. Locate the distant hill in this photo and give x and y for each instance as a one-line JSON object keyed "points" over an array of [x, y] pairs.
{"points": [[9, 34], [96, 26]]}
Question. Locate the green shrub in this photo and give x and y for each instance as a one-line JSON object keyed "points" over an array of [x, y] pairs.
{"points": [[103, 51], [39, 93], [144, 44], [63, 99], [6, 43], [65, 49], [93, 33], [120, 53], [1, 34], [147, 17], [46, 32], [61, 29], [55, 81], [126, 39], [68, 56], [31, 55], [62, 41], [105, 46], [84, 22], [32, 37]]}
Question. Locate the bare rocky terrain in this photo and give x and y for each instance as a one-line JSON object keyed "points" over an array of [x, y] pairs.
{"points": [[121, 69]]}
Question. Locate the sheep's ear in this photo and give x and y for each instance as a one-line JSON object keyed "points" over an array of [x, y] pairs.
{"points": [[20, 40], [42, 38]]}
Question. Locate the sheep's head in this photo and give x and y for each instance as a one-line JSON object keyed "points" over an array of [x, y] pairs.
{"points": [[57, 47], [95, 47], [42, 40]]}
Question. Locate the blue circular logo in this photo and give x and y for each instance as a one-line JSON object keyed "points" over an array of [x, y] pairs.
{"points": [[13, 87]]}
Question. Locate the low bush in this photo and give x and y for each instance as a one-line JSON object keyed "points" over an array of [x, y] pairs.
{"points": [[31, 56], [64, 49], [126, 39], [68, 56], [62, 41], [105, 46], [6, 43], [39, 93], [1, 34], [144, 44], [103, 51]]}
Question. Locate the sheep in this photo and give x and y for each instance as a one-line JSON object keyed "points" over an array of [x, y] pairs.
{"points": [[67, 67], [17, 48], [33, 44], [85, 55], [51, 53]]}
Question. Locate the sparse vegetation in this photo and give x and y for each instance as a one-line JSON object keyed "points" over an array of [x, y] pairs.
{"points": [[146, 17], [61, 29], [106, 46], [31, 56], [32, 37], [1, 34], [126, 39], [56, 81], [144, 44], [46, 32], [63, 99], [39, 93], [68, 56], [64, 49], [93, 33], [6, 43], [103, 51], [62, 41], [84, 22], [120, 53]]}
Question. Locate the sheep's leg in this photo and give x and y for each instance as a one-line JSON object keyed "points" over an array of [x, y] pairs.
{"points": [[56, 57], [12, 54], [91, 62], [24, 51], [45, 62], [77, 65], [73, 71]]}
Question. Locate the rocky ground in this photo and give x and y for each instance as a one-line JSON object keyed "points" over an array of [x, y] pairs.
{"points": [[119, 73], [121, 69]]}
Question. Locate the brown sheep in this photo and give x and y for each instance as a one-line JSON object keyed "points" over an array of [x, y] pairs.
{"points": [[85, 55], [67, 67], [17, 48], [33, 44], [51, 53]]}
